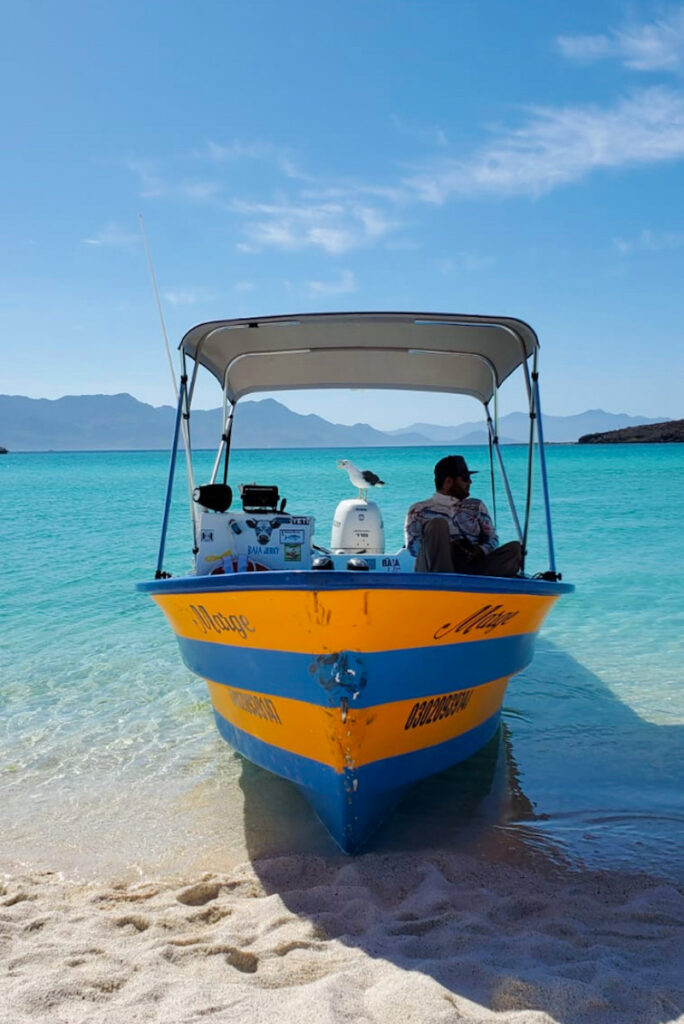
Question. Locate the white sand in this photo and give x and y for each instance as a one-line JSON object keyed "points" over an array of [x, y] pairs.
{"points": [[435, 936]]}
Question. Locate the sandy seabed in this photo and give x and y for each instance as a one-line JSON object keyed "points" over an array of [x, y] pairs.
{"points": [[437, 936]]}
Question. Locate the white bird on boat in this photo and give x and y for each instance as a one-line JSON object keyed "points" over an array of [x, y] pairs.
{"points": [[361, 478]]}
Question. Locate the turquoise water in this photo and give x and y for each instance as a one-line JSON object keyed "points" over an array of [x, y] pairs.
{"points": [[110, 759]]}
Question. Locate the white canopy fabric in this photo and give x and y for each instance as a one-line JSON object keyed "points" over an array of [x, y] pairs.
{"points": [[469, 355]]}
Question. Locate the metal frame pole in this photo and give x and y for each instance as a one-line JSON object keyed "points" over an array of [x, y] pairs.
{"points": [[188, 445], [531, 401], [542, 466], [491, 469], [227, 435], [159, 574], [509, 494], [224, 423]]}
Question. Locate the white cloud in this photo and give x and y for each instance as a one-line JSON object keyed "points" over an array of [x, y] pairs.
{"points": [[469, 261], [154, 186], [375, 224], [200, 191], [404, 245], [656, 46], [335, 227], [431, 135], [244, 286], [562, 145], [586, 48], [150, 181], [343, 286], [551, 147], [263, 151], [187, 296], [114, 236], [234, 151], [334, 217], [651, 241]]}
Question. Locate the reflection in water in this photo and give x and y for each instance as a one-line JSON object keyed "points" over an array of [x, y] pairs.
{"points": [[574, 775], [477, 806]]}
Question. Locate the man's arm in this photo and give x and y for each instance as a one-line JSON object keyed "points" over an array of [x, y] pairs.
{"points": [[413, 530], [488, 540]]}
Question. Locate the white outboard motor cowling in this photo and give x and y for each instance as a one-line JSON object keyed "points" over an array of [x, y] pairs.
{"points": [[357, 528]]}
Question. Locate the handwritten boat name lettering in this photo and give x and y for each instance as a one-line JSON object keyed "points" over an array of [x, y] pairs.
{"points": [[486, 619], [434, 710], [262, 707], [220, 623]]}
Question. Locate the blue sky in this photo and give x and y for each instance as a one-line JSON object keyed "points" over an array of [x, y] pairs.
{"points": [[476, 157]]}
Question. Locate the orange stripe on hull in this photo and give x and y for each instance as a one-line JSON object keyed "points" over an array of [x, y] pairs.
{"points": [[322, 622], [350, 738]]}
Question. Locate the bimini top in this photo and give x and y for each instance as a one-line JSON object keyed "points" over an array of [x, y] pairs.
{"points": [[470, 355]]}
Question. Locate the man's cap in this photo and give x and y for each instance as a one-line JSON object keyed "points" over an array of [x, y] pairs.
{"points": [[454, 465]]}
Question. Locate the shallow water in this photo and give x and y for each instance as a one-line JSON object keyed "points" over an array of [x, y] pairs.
{"points": [[111, 763]]}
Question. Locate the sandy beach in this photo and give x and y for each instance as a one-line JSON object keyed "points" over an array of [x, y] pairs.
{"points": [[428, 937]]}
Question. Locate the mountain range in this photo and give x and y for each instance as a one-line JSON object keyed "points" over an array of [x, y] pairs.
{"points": [[121, 422]]}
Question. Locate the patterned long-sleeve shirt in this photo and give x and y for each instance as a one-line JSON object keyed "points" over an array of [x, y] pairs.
{"points": [[467, 518]]}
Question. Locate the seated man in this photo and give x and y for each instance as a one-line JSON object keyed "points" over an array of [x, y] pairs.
{"points": [[451, 532]]}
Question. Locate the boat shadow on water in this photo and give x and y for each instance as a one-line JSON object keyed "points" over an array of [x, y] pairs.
{"points": [[519, 878]]}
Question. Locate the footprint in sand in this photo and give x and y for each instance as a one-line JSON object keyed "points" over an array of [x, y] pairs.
{"points": [[139, 923], [198, 895], [179, 950]]}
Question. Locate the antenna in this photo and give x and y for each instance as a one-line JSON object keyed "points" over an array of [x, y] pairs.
{"points": [[159, 305], [181, 402]]}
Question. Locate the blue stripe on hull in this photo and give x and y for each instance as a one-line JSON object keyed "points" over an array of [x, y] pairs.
{"points": [[379, 677], [354, 803]]}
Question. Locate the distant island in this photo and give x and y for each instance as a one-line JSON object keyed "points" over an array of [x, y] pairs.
{"points": [[3, 451], [122, 423], [646, 433]]}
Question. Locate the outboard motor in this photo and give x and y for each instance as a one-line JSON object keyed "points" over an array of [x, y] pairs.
{"points": [[357, 528]]}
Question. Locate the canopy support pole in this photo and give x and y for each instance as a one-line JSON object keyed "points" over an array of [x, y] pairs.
{"points": [[509, 493], [491, 469], [224, 447], [188, 445], [227, 434], [530, 467], [224, 424], [159, 574], [542, 466]]}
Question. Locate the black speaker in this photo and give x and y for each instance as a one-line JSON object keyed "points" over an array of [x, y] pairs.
{"points": [[216, 497]]}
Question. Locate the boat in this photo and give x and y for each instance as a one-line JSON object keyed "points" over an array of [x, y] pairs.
{"points": [[342, 669]]}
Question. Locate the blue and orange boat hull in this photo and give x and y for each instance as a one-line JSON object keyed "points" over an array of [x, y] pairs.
{"points": [[354, 686]]}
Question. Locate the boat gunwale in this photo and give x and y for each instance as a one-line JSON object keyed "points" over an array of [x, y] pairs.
{"points": [[316, 580]]}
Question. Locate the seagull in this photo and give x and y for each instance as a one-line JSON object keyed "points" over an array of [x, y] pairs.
{"points": [[361, 478]]}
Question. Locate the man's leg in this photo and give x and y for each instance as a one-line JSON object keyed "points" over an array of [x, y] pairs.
{"points": [[503, 561], [435, 548]]}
